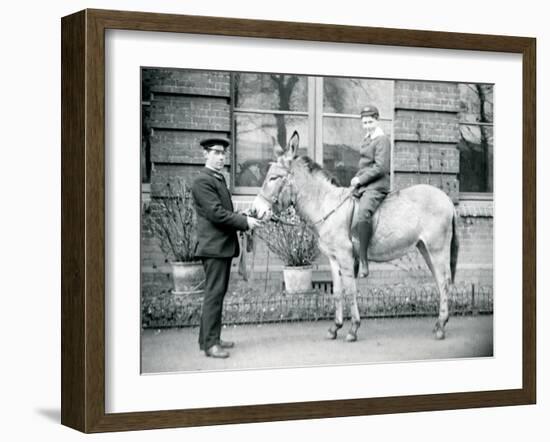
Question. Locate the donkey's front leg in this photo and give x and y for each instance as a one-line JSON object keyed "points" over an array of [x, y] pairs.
{"points": [[350, 286], [338, 307], [332, 332]]}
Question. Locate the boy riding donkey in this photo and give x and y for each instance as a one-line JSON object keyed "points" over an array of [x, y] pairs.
{"points": [[372, 181]]}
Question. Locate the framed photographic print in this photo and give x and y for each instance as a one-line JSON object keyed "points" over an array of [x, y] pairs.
{"points": [[293, 131]]}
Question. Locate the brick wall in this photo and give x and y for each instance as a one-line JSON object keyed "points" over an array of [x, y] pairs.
{"points": [[426, 134], [185, 107]]}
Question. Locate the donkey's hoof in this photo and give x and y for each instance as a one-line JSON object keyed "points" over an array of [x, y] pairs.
{"points": [[351, 337], [439, 334], [333, 330]]}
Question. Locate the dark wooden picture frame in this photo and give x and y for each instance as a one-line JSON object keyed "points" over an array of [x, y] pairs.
{"points": [[83, 220]]}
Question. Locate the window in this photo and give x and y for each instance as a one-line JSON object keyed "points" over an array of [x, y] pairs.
{"points": [[266, 108], [476, 138], [343, 98], [324, 111]]}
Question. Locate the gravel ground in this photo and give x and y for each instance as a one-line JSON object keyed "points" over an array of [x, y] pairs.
{"points": [[304, 344]]}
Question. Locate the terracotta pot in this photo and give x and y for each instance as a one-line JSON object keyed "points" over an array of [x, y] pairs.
{"points": [[297, 279], [188, 277]]}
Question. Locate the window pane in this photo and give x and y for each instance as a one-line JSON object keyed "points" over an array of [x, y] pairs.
{"points": [[341, 140], [476, 102], [476, 158], [476, 141], [350, 95], [256, 136], [271, 91]]}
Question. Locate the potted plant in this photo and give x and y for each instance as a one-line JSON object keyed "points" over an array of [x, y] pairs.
{"points": [[172, 220], [296, 244]]}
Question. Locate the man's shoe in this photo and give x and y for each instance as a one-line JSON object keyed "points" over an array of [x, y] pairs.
{"points": [[216, 351], [227, 344]]}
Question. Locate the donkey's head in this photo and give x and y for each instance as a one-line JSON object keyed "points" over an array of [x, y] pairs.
{"points": [[277, 192]]}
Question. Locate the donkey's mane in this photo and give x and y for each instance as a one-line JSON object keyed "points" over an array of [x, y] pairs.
{"points": [[315, 168]]}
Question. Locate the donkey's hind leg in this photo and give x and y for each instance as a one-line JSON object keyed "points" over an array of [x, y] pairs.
{"points": [[337, 293], [439, 263], [350, 284]]}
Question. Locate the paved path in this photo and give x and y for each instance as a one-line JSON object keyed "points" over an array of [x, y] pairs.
{"points": [[304, 344]]}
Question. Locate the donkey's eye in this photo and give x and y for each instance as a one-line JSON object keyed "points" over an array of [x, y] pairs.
{"points": [[273, 178]]}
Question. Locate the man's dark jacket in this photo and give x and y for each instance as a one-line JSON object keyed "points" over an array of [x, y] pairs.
{"points": [[217, 223]]}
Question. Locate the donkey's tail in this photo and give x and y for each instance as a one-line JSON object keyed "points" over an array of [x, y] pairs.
{"points": [[454, 248]]}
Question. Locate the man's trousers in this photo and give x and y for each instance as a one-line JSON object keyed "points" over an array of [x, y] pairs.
{"points": [[217, 271]]}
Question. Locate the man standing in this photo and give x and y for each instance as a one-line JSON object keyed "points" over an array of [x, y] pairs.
{"points": [[217, 242], [372, 181]]}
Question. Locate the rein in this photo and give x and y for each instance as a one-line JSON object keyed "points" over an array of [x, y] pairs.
{"points": [[276, 219], [324, 218], [274, 200]]}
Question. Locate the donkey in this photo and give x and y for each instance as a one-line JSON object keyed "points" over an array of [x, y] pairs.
{"points": [[419, 216]]}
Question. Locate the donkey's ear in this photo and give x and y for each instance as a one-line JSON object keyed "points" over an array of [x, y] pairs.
{"points": [[291, 150]]}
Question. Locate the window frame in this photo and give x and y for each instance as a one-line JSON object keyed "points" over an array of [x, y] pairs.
{"points": [[473, 196], [315, 114], [245, 191]]}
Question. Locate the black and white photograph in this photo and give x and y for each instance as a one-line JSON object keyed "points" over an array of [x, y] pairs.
{"points": [[292, 220]]}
